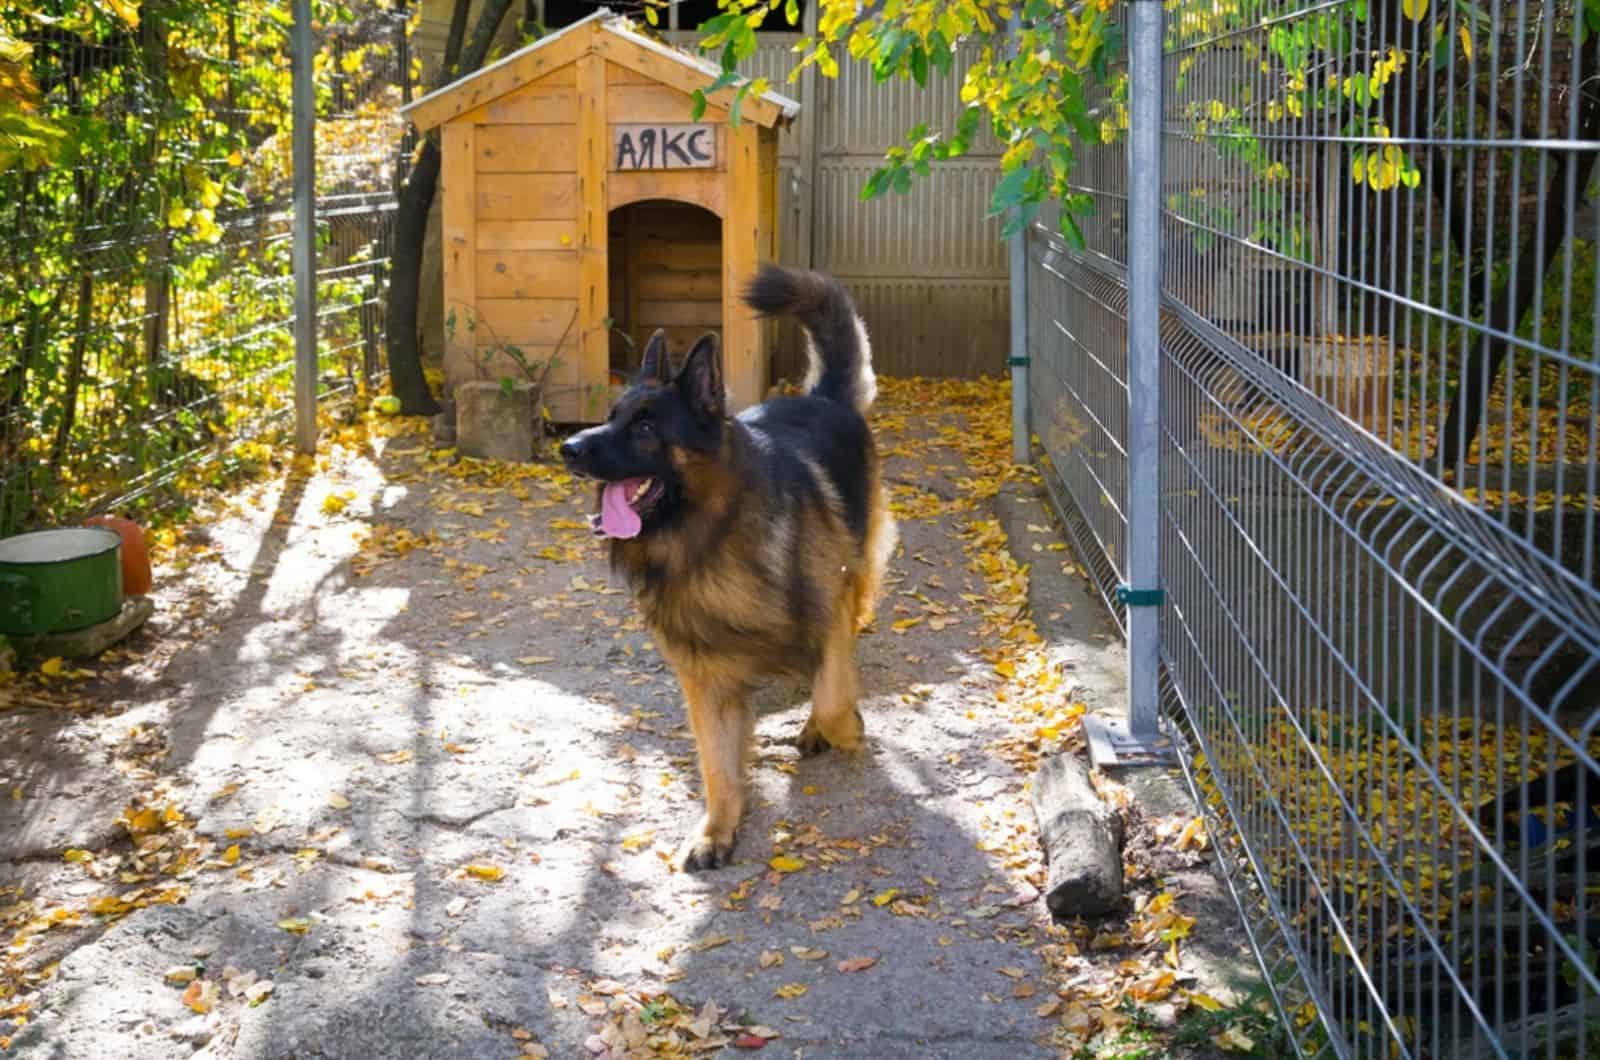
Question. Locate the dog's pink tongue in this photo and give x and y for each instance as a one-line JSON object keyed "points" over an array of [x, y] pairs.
{"points": [[617, 517]]}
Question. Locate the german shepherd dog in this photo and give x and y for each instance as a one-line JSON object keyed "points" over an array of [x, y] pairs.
{"points": [[754, 545]]}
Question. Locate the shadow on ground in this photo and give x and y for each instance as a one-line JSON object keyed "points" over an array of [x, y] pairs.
{"points": [[452, 764]]}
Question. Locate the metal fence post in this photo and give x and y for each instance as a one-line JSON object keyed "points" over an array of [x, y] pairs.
{"points": [[1021, 452], [1018, 360], [1140, 738], [305, 232]]}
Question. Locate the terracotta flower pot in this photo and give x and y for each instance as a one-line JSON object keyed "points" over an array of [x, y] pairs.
{"points": [[136, 579]]}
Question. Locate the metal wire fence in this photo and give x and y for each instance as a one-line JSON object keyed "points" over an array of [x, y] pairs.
{"points": [[146, 295], [1379, 459]]}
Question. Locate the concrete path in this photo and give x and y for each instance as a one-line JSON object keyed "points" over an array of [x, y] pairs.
{"points": [[395, 771]]}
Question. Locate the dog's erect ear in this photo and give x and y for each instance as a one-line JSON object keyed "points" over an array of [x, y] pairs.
{"points": [[657, 364], [701, 379]]}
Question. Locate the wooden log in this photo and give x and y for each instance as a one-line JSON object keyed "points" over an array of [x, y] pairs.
{"points": [[1082, 840]]}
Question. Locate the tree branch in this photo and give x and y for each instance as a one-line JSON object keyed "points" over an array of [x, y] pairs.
{"points": [[452, 42]]}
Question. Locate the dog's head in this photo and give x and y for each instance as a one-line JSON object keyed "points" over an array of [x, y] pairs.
{"points": [[662, 423]]}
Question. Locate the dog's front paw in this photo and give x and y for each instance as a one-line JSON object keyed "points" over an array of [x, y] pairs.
{"points": [[846, 736], [811, 741], [704, 850]]}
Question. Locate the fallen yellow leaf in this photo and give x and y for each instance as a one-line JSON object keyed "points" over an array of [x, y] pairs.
{"points": [[786, 863], [1153, 987], [490, 873], [1233, 1040], [790, 991], [295, 925], [143, 822], [201, 996]]}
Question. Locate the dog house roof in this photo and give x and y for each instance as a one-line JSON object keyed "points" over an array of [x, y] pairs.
{"points": [[500, 77]]}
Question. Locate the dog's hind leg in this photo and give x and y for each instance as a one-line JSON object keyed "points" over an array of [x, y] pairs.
{"points": [[835, 721], [882, 537], [722, 727]]}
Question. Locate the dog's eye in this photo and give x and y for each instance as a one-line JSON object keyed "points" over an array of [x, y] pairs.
{"points": [[643, 428]]}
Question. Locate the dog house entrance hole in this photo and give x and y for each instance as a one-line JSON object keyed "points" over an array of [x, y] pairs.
{"points": [[665, 272]]}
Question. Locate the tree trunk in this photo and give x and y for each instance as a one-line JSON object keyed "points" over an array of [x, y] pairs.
{"points": [[405, 285], [411, 228], [80, 342], [153, 49], [1482, 364], [452, 43]]}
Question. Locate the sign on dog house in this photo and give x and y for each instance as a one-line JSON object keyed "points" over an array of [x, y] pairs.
{"points": [[584, 206]]}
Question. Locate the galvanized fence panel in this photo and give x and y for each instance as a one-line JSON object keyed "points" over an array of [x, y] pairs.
{"points": [[145, 277], [1381, 380]]}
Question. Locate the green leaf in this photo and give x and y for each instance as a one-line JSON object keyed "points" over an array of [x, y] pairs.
{"points": [[1072, 233], [714, 31], [697, 108], [1010, 191], [919, 65], [875, 185], [1110, 46], [1020, 219]]}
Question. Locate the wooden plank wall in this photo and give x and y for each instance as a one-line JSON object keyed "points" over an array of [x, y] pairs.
{"points": [[666, 273], [525, 197]]}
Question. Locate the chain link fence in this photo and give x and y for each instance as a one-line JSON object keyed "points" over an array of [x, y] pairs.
{"points": [[1380, 467], [146, 293]]}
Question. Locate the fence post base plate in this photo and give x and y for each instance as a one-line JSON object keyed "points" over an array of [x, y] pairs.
{"points": [[1112, 743]]}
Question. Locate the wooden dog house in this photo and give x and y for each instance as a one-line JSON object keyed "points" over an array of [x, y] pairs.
{"points": [[579, 199]]}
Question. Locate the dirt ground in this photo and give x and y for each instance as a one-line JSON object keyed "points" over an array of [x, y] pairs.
{"points": [[396, 770]]}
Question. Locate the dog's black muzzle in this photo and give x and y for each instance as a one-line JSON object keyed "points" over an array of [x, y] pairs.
{"points": [[578, 452]]}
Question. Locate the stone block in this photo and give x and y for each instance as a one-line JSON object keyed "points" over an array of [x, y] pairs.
{"points": [[496, 422], [90, 641]]}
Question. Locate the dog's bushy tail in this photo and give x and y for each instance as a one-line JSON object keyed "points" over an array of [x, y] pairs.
{"points": [[836, 339]]}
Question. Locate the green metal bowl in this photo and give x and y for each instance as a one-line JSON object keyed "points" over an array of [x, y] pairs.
{"points": [[54, 581]]}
